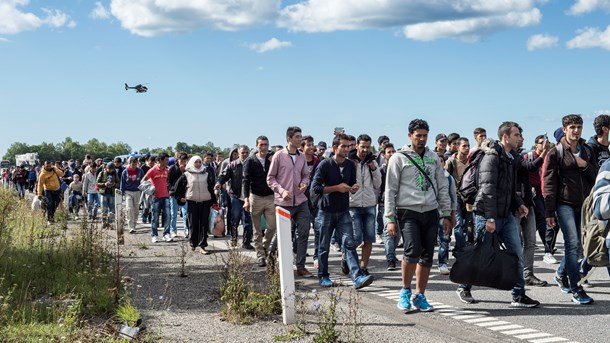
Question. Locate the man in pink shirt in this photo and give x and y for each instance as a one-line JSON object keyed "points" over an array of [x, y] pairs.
{"points": [[288, 177], [158, 177]]}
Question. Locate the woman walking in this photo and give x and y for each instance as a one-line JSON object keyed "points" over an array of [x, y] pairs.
{"points": [[196, 188]]}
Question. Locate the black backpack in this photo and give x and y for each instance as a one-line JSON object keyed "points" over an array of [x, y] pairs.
{"points": [[469, 184]]}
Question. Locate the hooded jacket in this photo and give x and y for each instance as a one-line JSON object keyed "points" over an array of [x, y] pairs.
{"points": [[369, 181], [497, 197], [406, 188], [234, 172], [564, 181]]}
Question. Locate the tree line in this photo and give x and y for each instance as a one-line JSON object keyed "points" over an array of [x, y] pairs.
{"points": [[71, 149]]}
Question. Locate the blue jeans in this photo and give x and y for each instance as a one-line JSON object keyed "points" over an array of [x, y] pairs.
{"points": [[238, 214], [460, 231], [340, 222], [160, 206], [585, 268], [93, 203], [443, 245], [20, 189], [390, 243], [363, 223], [379, 225], [508, 231], [107, 207], [173, 210], [569, 222]]}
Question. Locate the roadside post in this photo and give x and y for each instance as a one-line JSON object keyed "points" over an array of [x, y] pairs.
{"points": [[284, 242]]}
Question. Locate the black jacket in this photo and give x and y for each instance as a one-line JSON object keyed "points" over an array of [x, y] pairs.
{"points": [[564, 181], [497, 196], [173, 174], [328, 173], [255, 177], [524, 167], [234, 172]]}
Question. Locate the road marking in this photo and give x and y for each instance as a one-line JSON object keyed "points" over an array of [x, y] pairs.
{"points": [[549, 340], [479, 318], [534, 335]]}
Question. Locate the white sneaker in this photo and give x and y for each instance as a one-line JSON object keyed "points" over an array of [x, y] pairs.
{"points": [[76, 218], [168, 238], [549, 258], [379, 239], [154, 239], [173, 235], [443, 269], [132, 230]]}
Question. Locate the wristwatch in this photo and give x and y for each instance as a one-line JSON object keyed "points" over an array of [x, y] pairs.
{"points": [[491, 220]]}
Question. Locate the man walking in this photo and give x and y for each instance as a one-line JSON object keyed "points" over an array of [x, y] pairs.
{"points": [[49, 187], [288, 177], [130, 181], [416, 188]]}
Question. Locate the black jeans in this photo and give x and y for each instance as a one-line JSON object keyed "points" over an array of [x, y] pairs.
{"points": [[198, 214], [52, 203]]}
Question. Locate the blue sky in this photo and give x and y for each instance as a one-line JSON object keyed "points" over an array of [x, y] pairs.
{"points": [[228, 73]]}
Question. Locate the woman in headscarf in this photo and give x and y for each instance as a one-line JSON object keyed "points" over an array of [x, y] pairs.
{"points": [[196, 187]]}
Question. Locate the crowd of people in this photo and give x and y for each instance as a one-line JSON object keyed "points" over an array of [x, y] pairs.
{"points": [[407, 198]]}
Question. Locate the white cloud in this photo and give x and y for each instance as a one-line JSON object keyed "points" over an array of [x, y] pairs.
{"points": [[467, 19], [153, 17], [471, 29], [542, 41], [587, 6], [272, 44], [590, 38], [4, 40], [99, 11], [13, 20]]}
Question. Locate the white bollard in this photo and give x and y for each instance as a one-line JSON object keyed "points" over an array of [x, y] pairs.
{"points": [[284, 244], [118, 219]]}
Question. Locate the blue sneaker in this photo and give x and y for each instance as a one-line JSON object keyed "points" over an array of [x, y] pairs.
{"points": [[326, 282], [404, 300], [581, 298], [363, 281], [420, 303]]}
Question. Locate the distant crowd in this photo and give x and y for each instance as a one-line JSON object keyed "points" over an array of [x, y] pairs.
{"points": [[410, 198]]}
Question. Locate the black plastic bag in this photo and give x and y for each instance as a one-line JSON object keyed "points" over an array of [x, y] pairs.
{"points": [[487, 263]]}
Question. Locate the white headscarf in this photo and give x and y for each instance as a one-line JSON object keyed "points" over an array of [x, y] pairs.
{"points": [[190, 166]]}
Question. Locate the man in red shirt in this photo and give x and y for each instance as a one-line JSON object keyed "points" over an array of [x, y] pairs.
{"points": [[158, 177]]}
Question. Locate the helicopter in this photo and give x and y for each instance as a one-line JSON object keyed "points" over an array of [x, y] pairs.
{"points": [[138, 88]]}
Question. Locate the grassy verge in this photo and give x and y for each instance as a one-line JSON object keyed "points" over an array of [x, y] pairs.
{"points": [[52, 280]]}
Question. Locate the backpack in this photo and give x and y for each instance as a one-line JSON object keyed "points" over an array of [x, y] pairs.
{"points": [[469, 184], [594, 232]]}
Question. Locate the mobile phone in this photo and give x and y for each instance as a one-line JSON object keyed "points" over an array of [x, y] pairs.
{"points": [[546, 138], [339, 130]]}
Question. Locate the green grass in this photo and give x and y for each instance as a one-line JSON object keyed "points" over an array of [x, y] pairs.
{"points": [[50, 277]]}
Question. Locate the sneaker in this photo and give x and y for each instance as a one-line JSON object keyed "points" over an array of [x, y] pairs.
{"points": [[303, 272], [404, 300], [173, 235], [563, 283], [365, 271], [587, 284], [392, 265], [168, 238], [443, 269], [465, 296], [344, 267], [248, 246], [154, 239], [132, 230], [363, 281], [534, 281], [204, 251], [524, 301], [262, 262], [379, 239], [549, 258], [326, 282], [420, 303], [581, 298], [76, 218]]}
